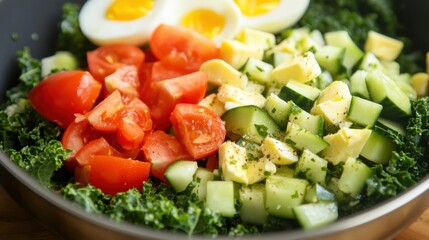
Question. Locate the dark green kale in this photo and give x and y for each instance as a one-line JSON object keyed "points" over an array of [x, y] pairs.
{"points": [[71, 37], [25, 136], [89, 198], [159, 207]]}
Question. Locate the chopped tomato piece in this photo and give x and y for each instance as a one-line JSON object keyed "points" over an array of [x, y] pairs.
{"points": [[212, 162], [62, 95], [161, 71], [181, 47], [126, 80], [162, 149], [105, 60], [96, 147], [115, 174], [75, 137], [103, 116], [189, 88], [198, 128], [134, 122]]}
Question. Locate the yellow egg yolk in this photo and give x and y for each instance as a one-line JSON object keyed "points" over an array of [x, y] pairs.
{"points": [[256, 7], [205, 21], [127, 10]]}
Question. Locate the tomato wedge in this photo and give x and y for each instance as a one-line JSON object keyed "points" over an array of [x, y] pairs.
{"points": [[162, 149], [189, 88], [105, 60], [198, 128], [134, 122], [96, 147], [181, 47], [62, 95], [103, 116], [115, 174], [77, 135], [126, 80]]}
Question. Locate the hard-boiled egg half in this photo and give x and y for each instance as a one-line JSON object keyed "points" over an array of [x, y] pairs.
{"points": [[121, 21], [271, 15], [216, 19]]}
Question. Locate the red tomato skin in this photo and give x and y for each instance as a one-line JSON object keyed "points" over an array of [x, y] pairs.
{"points": [[103, 116], [181, 47], [189, 88], [198, 128], [115, 174], [76, 135], [212, 162], [62, 95], [126, 80], [95, 147], [162, 149], [105, 60], [134, 121]]}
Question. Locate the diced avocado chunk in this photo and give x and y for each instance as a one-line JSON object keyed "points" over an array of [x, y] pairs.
{"points": [[278, 152], [345, 143], [282, 194], [382, 46]]}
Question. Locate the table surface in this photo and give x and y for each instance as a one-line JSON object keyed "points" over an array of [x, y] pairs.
{"points": [[17, 223]]}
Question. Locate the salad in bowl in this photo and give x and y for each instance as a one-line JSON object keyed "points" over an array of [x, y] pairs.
{"points": [[222, 118]]}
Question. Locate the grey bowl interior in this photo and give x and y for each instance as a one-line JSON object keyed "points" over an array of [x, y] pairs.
{"points": [[71, 222]]}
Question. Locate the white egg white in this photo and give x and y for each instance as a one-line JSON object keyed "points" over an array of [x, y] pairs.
{"points": [[102, 31], [227, 8], [286, 14]]}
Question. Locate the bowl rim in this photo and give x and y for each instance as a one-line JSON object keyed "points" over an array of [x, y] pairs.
{"points": [[140, 231]]}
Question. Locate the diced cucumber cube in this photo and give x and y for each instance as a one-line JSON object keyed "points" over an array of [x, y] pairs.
{"points": [[278, 109], [378, 148], [317, 193], [252, 208], [364, 112], [282, 194], [301, 94], [220, 197], [313, 215], [301, 138], [180, 174], [354, 176], [312, 167], [201, 177]]}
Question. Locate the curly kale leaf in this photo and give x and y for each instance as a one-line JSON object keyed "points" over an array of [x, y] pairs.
{"points": [[161, 208], [25, 136], [409, 162], [71, 37], [89, 198]]}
